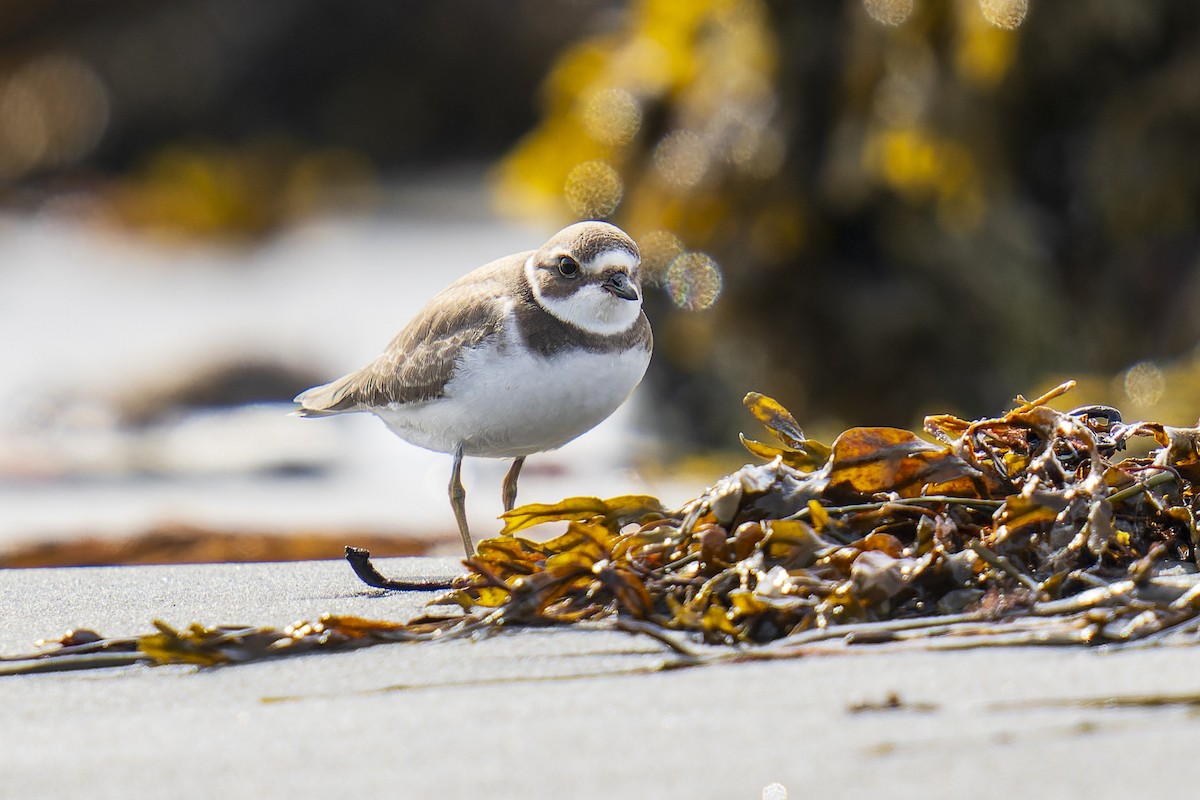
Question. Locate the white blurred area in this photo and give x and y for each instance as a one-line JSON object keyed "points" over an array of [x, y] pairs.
{"points": [[96, 324]]}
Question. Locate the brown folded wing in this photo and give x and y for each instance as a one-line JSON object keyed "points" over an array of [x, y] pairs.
{"points": [[420, 361]]}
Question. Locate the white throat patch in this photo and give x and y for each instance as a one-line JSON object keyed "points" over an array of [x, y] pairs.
{"points": [[590, 307]]}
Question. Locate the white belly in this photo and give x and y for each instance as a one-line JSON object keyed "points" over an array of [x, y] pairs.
{"points": [[505, 402]]}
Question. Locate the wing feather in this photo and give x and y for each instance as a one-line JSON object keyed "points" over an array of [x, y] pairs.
{"points": [[422, 358]]}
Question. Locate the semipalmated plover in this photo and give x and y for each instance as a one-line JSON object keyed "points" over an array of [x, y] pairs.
{"points": [[520, 356]]}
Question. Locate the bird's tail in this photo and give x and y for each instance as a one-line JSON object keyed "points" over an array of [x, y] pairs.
{"points": [[324, 400]]}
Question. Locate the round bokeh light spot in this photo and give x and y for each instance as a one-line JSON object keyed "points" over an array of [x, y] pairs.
{"points": [[593, 189], [694, 281]]}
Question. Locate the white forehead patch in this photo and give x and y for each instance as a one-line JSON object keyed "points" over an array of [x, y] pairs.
{"points": [[613, 258]]}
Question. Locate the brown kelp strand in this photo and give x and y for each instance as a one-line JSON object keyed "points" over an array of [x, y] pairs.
{"points": [[1010, 521]]}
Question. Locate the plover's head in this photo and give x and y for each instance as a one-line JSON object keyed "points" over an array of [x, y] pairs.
{"points": [[587, 275]]}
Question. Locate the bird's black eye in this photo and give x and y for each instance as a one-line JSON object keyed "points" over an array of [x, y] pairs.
{"points": [[568, 266]]}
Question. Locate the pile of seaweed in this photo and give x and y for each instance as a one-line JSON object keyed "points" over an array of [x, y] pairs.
{"points": [[1028, 528]]}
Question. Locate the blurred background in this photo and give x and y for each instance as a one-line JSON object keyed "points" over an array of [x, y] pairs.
{"points": [[872, 210]]}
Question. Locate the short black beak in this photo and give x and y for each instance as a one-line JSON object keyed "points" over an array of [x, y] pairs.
{"points": [[619, 284]]}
